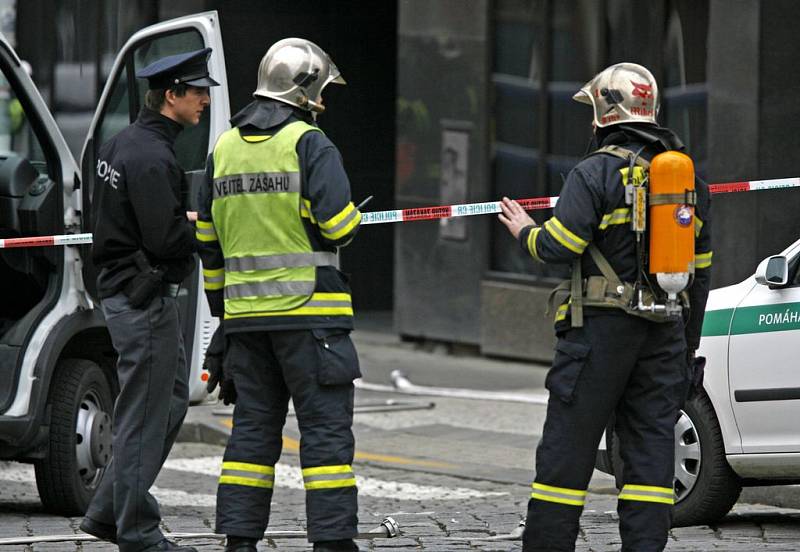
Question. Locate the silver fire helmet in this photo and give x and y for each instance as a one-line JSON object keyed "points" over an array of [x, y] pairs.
{"points": [[294, 71], [621, 93]]}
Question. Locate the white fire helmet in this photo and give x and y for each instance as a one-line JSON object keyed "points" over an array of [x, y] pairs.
{"points": [[621, 93], [294, 71]]}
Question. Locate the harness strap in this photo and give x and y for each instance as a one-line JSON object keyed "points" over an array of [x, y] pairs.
{"points": [[689, 197], [604, 266], [576, 292], [623, 153]]}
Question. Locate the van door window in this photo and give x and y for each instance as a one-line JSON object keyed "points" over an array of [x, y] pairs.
{"points": [[29, 204], [16, 134], [122, 108]]}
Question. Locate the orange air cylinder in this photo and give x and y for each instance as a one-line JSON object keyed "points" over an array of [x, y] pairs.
{"points": [[671, 224]]}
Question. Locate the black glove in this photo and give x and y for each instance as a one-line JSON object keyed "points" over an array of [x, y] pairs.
{"points": [[697, 369], [214, 361]]}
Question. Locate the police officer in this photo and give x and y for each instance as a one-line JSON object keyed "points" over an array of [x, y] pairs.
{"points": [[611, 357], [144, 246], [276, 208]]}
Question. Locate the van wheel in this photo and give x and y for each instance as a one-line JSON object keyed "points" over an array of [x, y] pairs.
{"points": [[706, 487], [79, 446]]}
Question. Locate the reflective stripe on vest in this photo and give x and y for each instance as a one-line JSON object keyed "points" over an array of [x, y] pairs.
{"points": [[268, 262], [270, 266], [320, 304]]}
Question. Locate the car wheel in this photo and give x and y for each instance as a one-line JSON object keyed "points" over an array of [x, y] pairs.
{"points": [[706, 487], [79, 445]]}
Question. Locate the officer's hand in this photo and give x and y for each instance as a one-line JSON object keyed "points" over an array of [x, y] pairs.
{"points": [[514, 217]]}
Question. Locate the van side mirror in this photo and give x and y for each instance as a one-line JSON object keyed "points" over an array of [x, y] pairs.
{"points": [[773, 271]]}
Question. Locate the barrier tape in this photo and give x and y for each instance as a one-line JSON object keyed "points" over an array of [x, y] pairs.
{"points": [[44, 241], [432, 213]]}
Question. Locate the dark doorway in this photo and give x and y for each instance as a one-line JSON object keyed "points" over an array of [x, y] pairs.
{"points": [[361, 38]]}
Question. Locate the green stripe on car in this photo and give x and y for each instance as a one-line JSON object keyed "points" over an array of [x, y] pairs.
{"points": [[757, 319]]}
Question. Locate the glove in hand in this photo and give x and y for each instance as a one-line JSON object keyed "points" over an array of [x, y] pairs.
{"points": [[214, 363]]}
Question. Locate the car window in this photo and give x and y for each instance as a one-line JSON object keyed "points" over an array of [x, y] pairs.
{"points": [[17, 135], [794, 273], [192, 144]]}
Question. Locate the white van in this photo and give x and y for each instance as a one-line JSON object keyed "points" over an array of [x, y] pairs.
{"points": [[57, 365]]}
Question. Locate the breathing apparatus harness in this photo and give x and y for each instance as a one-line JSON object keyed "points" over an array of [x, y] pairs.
{"points": [[671, 252]]}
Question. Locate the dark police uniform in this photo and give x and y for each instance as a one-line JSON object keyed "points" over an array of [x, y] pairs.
{"points": [[143, 241], [616, 363], [287, 319]]}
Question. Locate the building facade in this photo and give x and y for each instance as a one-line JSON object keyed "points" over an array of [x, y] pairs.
{"points": [[489, 83], [460, 101]]}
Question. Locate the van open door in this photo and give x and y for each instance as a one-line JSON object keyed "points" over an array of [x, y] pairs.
{"points": [[120, 103]]}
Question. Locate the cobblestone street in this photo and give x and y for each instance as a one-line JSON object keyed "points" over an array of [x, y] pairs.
{"points": [[451, 514]]}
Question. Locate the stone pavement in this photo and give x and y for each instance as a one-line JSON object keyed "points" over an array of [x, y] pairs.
{"points": [[452, 476], [438, 522]]}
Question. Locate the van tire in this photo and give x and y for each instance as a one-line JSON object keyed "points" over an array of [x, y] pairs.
{"points": [[79, 441]]}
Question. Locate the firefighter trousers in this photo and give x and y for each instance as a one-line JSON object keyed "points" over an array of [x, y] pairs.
{"points": [[316, 369], [615, 364]]}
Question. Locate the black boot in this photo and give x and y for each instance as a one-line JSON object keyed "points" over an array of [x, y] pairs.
{"points": [[240, 544], [344, 545]]}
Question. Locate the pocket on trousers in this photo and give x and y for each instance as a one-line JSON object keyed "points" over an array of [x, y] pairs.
{"points": [[568, 363], [338, 359]]}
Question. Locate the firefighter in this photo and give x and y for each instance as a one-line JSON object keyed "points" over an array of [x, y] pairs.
{"points": [[275, 210], [144, 247], [623, 342]]}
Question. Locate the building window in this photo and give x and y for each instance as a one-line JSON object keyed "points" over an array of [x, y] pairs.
{"points": [[544, 51]]}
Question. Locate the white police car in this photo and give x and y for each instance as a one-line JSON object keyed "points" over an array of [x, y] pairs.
{"points": [[742, 430], [57, 365]]}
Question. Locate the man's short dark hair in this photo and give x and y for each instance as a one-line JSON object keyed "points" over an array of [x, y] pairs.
{"points": [[154, 99]]}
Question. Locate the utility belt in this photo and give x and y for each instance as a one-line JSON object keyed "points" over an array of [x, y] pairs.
{"points": [[608, 291]]}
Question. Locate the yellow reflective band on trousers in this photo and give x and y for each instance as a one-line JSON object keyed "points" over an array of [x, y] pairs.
{"points": [[532, 242], [256, 211], [205, 232], [341, 224], [646, 493], [328, 477], [320, 304], [213, 279], [564, 236], [703, 260], [248, 475], [560, 495]]}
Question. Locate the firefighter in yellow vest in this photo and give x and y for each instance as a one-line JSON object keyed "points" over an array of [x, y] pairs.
{"points": [[275, 209], [633, 221]]}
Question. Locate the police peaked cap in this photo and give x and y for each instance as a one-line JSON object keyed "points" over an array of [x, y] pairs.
{"points": [[190, 68]]}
